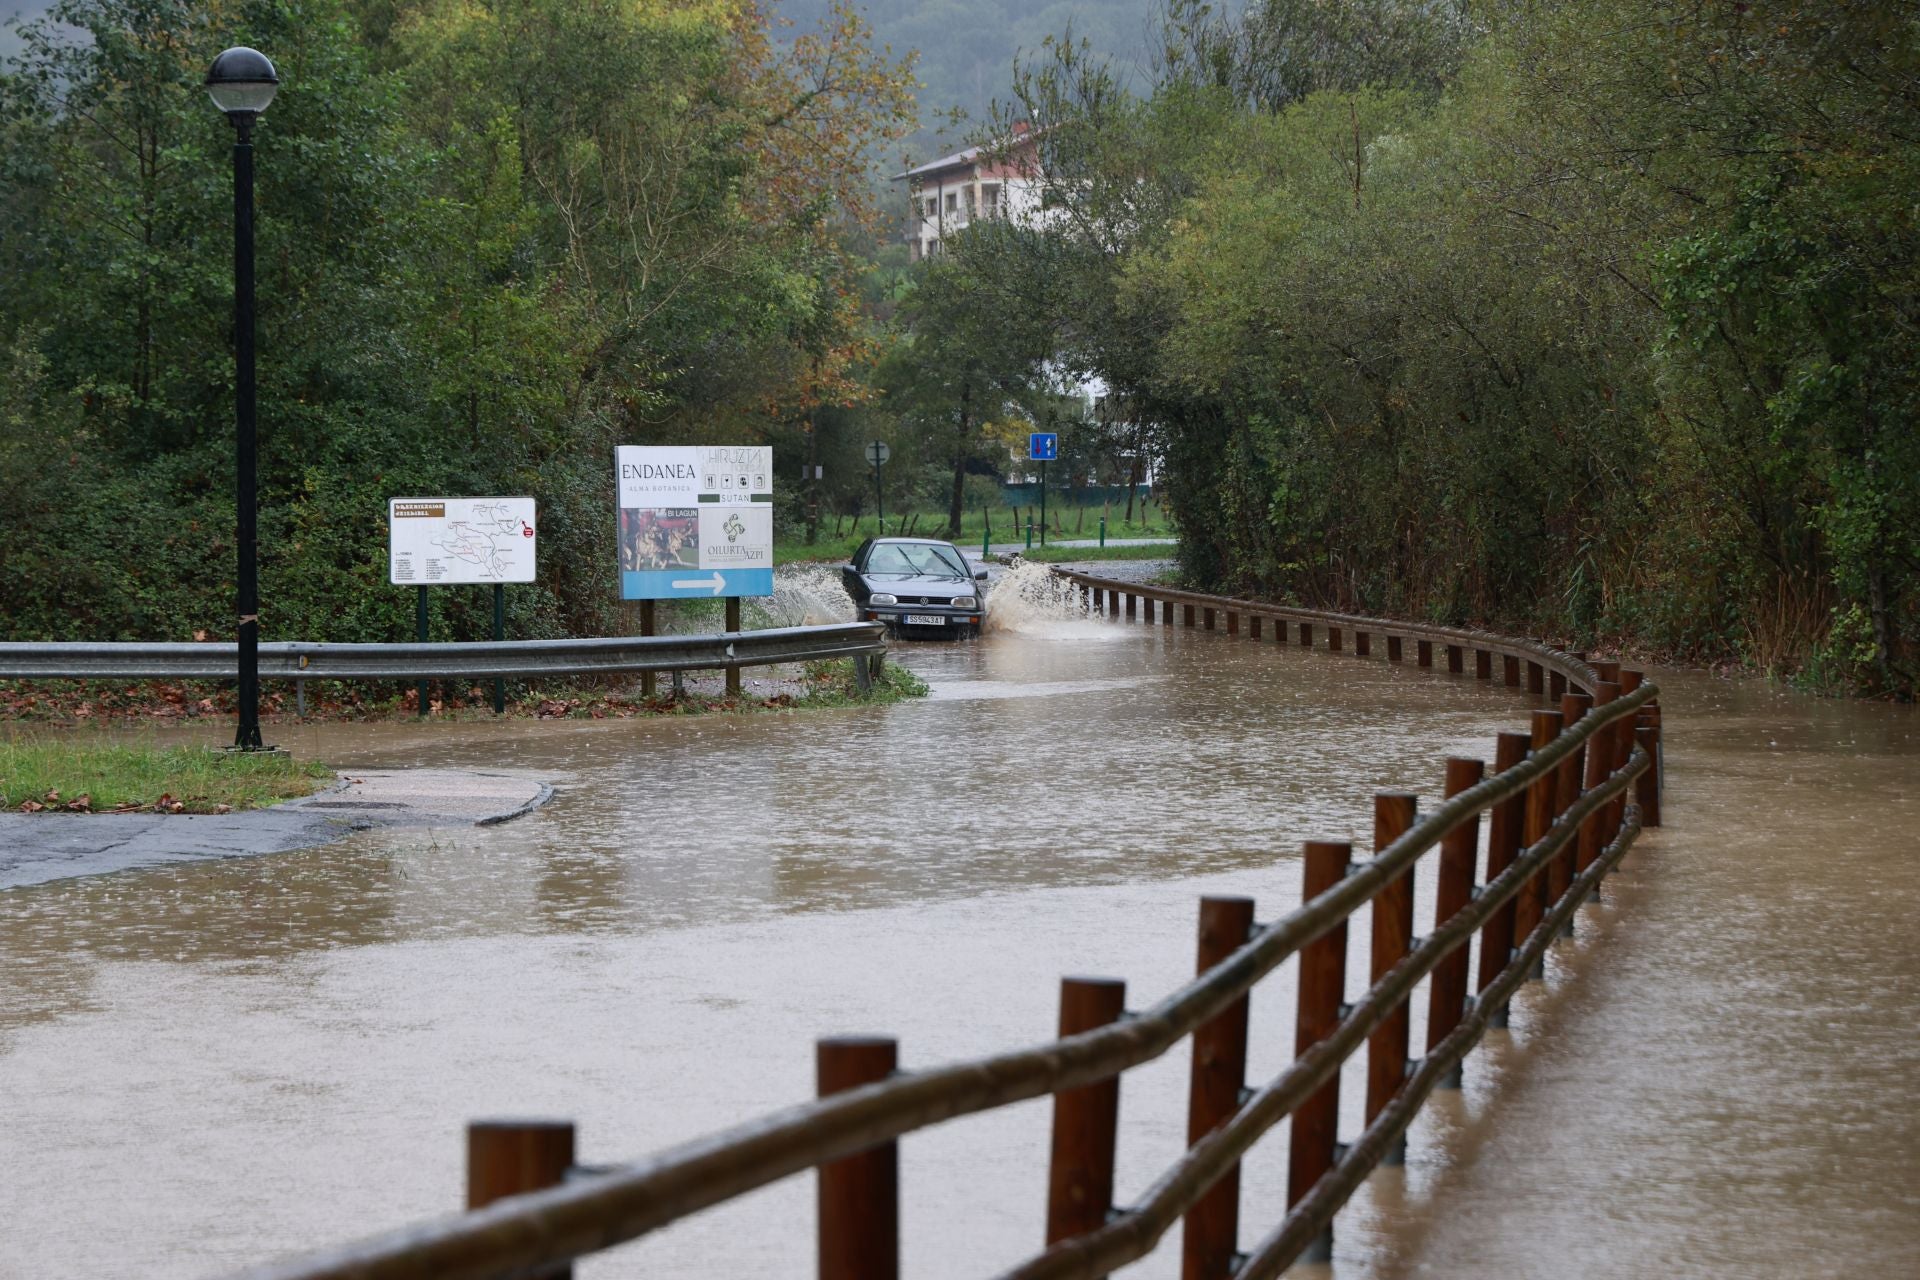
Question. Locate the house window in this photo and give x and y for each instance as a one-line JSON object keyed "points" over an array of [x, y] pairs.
{"points": [[933, 207], [953, 202], [990, 199]]}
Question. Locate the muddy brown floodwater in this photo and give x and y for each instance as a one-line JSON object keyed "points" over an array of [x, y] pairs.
{"points": [[214, 1064]]}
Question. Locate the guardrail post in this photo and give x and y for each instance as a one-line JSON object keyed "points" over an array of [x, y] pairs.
{"points": [[1389, 932], [1573, 708], [1510, 667], [1132, 603], [1503, 842], [1334, 639], [1212, 1226], [1322, 989], [1456, 659], [1146, 608], [1080, 1176], [1166, 613], [733, 626], [1646, 787], [1186, 615], [1540, 800], [1253, 626], [1306, 635], [1394, 648], [1423, 652], [1483, 664], [859, 1195], [1447, 993], [511, 1157], [1362, 644], [1206, 616], [1536, 679], [1099, 600], [1233, 622]]}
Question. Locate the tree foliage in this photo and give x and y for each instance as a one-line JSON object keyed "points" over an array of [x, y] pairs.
{"points": [[1595, 318]]}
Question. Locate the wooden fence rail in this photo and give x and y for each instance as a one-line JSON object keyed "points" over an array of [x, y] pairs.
{"points": [[1564, 803]]}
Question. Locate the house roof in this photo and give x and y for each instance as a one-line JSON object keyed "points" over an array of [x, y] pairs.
{"points": [[958, 160]]}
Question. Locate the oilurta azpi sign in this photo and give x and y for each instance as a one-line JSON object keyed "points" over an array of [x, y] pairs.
{"points": [[696, 521], [452, 541]]}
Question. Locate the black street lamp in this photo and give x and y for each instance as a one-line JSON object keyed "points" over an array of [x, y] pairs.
{"points": [[242, 82]]}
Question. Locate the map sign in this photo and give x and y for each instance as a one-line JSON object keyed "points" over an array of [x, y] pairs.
{"points": [[451, 541], [695, 521]]}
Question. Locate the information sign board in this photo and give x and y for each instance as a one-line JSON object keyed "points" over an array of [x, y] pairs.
{"points": [[695, 521], [452, 541], [1043, 446]]}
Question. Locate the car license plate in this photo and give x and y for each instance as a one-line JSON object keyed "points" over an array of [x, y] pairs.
{"points": [[924, 620]]}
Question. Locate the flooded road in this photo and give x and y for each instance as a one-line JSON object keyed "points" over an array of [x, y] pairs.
{"points": [[210, 1065]]}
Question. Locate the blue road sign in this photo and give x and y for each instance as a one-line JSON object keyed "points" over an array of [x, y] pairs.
{"points": [[694, 584], [1043, 446]]}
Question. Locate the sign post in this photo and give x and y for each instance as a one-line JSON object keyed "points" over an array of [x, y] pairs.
{"points": [[877, 453], [1042, 447], [456, 541]]}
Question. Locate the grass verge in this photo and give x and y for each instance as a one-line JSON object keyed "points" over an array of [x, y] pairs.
{"points": [[837, 548], [97, 777], [1073, 555], [831, 684]]}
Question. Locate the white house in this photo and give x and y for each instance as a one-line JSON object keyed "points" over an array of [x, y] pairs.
{"points": [[947, 194]]}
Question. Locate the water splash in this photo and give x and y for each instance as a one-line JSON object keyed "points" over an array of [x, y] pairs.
{"points": [[1031, 600], [804, 595]]}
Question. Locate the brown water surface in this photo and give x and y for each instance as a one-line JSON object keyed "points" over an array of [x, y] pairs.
{"points": [[213, 1064]]}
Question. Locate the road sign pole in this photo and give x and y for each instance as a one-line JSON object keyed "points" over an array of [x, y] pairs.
{"points": [[1043, 502], [879, 500], [420, 634], [499, 633]]}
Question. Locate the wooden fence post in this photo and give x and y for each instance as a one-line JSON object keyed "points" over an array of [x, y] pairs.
{"points": [[1622, 752], [1212, 1227], [1573, 708], [1395, 647], [1646, 788], [1483, 664], [1322, 989], [511, 1157], [1423, 652], [1253, 626], [1510, 667], [859, 1196], [1146, 610], [1540, 797], [1233, 622], [1456, 659], [1207, 614], [1306, 635], [1556, 685], [1362, 644], [1132, 604], [1186, 615], [1459, 848], [1536, 679], [1596, 773], [1080, 1176], [1389, 932], [1503, 842]]}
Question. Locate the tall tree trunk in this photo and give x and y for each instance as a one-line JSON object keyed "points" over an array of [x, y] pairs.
{"points": [[960, 461]]}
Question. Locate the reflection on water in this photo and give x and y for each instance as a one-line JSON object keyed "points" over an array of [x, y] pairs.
{"points": [[214, 1063]]}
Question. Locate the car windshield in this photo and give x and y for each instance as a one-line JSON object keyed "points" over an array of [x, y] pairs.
{"points": [[934, 560]]}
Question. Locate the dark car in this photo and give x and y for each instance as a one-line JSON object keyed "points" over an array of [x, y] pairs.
{"points": [[918, 584]]}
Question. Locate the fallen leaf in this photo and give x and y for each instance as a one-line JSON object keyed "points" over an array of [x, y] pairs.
{"points": [[31, 806], [82, 803], [52, 797], [223, 808]]}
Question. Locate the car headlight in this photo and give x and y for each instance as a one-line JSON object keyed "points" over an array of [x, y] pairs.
{"points": [[966, 602], [881, 597]]}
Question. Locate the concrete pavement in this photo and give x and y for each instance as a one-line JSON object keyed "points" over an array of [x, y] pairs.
{"points": [[38, 847]]}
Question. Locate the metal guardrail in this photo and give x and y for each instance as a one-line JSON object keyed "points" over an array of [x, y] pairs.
{"points": [[1562, 813], [301, 660]]}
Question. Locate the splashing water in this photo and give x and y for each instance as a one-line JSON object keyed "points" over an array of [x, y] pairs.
{"points": [[804, 595], [1031, 600]]}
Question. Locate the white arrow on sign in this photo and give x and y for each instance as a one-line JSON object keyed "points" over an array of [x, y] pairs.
{"points": [[717, 582]]}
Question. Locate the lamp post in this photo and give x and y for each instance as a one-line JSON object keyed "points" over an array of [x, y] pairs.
{"points": [[242, 82]]}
